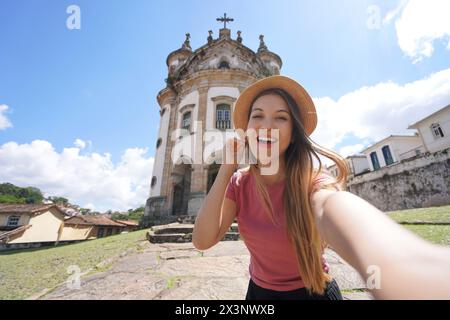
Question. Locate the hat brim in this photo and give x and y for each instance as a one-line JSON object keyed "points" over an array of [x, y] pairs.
{"points": [[293, 88]]}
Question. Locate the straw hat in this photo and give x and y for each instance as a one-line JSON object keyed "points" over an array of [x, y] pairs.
{"points": [[292, 87]]}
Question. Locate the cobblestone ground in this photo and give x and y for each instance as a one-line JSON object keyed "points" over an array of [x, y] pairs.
{"points": [[179, 271]]}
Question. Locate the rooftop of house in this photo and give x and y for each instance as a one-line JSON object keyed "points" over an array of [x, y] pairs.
{"points": [[128, 222], [5, 233], [391, 137], [26, 208], [97, 220], [416, 124]]}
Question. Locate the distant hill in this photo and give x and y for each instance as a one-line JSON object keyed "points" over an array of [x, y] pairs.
{"points": [[10, 193]]}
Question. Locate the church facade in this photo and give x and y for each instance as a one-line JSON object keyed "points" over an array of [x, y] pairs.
{"points": [[201, 89]]}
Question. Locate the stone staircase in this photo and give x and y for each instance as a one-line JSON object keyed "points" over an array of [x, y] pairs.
{"points": [[182, 232]]}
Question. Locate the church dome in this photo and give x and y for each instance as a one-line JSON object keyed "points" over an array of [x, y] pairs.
{"points": [[178, 57], [271, 60]]}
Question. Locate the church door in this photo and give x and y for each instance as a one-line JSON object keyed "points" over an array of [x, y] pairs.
{"points": [[177, 199], [181, 193]]}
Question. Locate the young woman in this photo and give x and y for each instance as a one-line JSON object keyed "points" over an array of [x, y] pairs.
{"points": [[287, 217]]}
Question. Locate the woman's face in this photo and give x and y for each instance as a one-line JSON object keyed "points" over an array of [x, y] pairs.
{"points": [[272, 113]]}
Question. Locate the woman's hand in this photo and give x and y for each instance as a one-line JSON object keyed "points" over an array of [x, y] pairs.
{"points": [[232, 152]]}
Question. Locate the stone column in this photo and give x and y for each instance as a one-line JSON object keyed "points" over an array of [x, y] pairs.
{"points": [[166, 185], [159, 207], [199, 178]]}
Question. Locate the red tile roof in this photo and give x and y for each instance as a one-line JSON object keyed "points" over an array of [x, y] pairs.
{"points": [[131, 223], [26, 208], [6, 234], [96, 220]]}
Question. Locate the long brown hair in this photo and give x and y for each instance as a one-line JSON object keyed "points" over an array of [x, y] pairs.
{"points": [[300, 176]]}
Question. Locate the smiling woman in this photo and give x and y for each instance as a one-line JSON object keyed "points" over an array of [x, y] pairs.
{"points": [[278, 220], [287, 218]]}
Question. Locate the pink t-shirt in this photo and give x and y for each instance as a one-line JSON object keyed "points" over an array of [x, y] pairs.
{"points": [[273, 261]]}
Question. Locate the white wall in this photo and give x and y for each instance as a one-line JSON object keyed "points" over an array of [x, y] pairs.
{"points": [[403, 145], [45, 227], [360, 165], [160, 152]]}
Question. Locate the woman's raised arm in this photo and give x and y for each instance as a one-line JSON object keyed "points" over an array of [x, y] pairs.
{"points": [[216, 213], [407, 266]]}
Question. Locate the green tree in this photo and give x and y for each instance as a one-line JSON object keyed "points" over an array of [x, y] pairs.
{"points": [[14, 194], [59, 200]]}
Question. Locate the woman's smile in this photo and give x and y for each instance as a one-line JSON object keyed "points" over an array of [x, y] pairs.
{"points": [[266, 142]]}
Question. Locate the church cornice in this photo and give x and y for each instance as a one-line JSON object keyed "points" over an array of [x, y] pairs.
{"points": [[166, 96], [200, 53], [215, 78]]}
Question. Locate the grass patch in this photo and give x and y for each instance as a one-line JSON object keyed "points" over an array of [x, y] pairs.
{"points": [[439, 234], [434, 214], [24, 273], [172, 281], [353, 290], [436, 234]]}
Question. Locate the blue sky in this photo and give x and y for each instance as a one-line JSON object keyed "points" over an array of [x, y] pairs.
{"points": [[100, 83]]}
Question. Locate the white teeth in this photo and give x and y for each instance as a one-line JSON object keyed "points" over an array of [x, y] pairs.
{"points": [[265, 140]]}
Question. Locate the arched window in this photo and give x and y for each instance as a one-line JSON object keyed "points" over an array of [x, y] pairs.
{"points": [[153, 183], [387, 155], [375, 162], [223, 116], [186, 124], [224, 65]]}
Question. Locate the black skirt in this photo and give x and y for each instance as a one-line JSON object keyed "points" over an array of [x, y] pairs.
{"points": [[255, 292]]}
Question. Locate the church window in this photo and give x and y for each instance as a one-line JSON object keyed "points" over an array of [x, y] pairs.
{"points": [[158, 143], [186, 124], [224, 65], [153, 183], [223, 116]]}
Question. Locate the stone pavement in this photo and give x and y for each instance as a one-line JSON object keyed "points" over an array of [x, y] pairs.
{"points": [[179, 271]]}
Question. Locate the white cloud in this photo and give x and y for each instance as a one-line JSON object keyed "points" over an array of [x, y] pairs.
{"points": [[80, 143], [4, 121], [394, 13], [351, 150], [419, 23], [375, 112], [89, 180]]}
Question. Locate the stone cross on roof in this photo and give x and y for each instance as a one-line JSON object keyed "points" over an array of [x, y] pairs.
{"points": [[225, 19]]}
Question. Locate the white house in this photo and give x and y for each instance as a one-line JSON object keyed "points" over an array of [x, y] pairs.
{"points": [[356, 164], [392, 149], [435, 130]]}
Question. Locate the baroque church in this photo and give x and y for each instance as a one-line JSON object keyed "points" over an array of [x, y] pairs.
{"points": [[202, 87]]}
